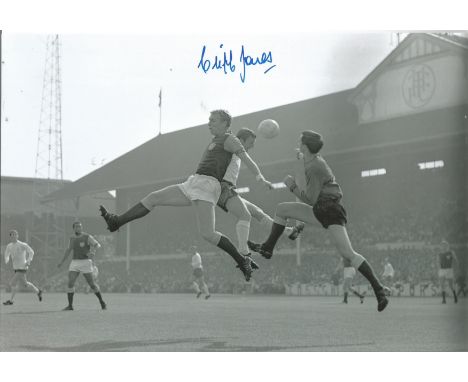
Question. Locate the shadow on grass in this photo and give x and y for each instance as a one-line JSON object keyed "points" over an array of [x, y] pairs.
{"points": [[202, 345], [37, 312]]}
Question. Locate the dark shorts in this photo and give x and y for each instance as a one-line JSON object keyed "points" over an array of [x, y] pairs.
{"points": [[329, 212], [198, 272], [21, 270], [228, 191]]}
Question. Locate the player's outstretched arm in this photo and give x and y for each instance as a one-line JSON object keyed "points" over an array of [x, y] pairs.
{"points": [[253, 167], [234, 145]]}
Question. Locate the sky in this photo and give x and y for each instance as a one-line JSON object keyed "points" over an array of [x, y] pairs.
{"points": [[111, 82]]}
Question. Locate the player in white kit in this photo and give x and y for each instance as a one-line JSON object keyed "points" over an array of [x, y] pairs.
{"points": [[388, 273], [21, 255], [199, 278], [242, 209], [348, 275]]}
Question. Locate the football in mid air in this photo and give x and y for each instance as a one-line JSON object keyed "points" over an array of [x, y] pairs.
{"points": [[268, 128]]}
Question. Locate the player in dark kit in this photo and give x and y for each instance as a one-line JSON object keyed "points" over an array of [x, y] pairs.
{"points": [[321, 198], [446, 259], [202, 191], [84, 248]]}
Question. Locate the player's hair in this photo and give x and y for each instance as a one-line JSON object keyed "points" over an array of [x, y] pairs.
{"points": [[12, 231], [312, 140], [224, 114], [244, 133], [75, 223]]}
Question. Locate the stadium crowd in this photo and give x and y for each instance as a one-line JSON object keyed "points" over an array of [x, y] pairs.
{"points": [[317, 268], [408, 237]]}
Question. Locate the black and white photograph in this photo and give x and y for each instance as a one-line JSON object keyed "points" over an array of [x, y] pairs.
{"points": [[192, 192]]}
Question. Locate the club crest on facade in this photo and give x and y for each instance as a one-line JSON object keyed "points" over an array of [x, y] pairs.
{"points": [[418, 85]]}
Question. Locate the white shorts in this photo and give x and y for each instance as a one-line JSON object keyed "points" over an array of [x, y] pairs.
{"points": [[95, 271], [446, 273], [349, 272], [83, 266], [201, 187]]}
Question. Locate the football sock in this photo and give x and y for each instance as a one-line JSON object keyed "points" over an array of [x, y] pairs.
{"points": [[70, 298], [226, 245], [367, 271], [98, 295], [242, 229], [276, 231], [135, 212]]}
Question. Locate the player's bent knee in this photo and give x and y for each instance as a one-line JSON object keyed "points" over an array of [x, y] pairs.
{"points": [[357, 260], [211, 237], [149, 201]]}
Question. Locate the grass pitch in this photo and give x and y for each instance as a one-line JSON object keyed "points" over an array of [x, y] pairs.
{"points": [[180, 322]]}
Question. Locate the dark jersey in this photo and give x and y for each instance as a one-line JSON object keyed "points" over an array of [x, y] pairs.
{"points": [[446, 259], [80, 246], [321, 183], [218, 155]]}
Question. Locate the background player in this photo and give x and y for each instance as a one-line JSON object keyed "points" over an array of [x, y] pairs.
{"points": [[84, 247], [320, 198], [335, 279], [202, 191], [241, 208], [446, 260], [199, 278], [348, 275], [388, 273], [21, 255]]}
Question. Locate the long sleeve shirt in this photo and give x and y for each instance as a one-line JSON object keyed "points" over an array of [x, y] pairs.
{"points": [[320, 182], [21, 254]]}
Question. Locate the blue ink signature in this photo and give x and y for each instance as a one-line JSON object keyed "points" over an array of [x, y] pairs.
{"points": [[226, 62]]}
